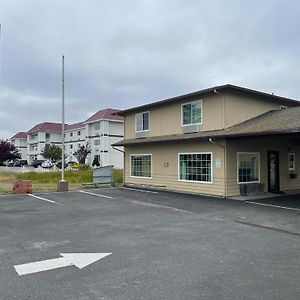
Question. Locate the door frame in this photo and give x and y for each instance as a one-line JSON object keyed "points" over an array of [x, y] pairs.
{"points": [[277, 174]]}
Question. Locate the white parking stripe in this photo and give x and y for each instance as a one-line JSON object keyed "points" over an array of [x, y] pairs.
{"points": [[137, 190], [44, 199], [94, 194], [275, 206]]}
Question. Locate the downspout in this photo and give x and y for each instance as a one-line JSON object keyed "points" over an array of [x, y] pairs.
{"points": [[224, 167]]}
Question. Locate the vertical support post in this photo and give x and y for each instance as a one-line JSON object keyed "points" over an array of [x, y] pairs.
{"points": [[62, 185], [63, 120]]}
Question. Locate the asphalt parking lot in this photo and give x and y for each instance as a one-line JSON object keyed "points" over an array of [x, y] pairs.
{"points": [[157, 245]]}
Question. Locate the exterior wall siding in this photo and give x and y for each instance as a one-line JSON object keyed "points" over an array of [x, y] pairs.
{"points": [[167, 177]]}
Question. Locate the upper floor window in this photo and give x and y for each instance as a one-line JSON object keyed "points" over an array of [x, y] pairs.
{"points": [[191, 113], [78, 132], [96, 142], [142, 121], [71, 133], [97, 126], [47, 136]]}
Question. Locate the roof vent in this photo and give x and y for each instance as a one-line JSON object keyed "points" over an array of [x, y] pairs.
{"points": [[283, 107]]}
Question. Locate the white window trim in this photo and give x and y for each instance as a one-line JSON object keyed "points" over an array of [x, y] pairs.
{"points": [[237, 169], [191, 102], [144, 112], [294, 168], [212, 165], [138, 154]]}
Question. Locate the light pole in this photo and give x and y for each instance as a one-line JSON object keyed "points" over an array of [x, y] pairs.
{"points": [[62, 185]]}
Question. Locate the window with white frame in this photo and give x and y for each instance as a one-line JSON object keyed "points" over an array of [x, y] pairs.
{"points": [[191, 113], [96, 142], [195, 167], [78, 132], [141, 165], [292, 161], [142, 121], [248, 167]]}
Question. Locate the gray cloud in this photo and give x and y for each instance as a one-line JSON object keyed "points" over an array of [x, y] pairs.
{"points": [[125, 53]]}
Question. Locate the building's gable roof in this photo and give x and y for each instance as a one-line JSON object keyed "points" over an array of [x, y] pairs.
{"points": [[47, 127], [211, 90], [105, 114], [74, 126], [275, 122], [20, 135]]}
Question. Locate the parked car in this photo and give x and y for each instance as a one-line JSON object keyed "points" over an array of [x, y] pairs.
{"points": [[20, 163], [37, 162], [47, 164]]}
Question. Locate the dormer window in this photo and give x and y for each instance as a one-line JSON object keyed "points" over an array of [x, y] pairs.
{"points": [[191, 113], [142, 121]]}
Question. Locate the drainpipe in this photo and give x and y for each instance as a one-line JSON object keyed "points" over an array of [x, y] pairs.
{"points": [[224, 167], [223, 106]]}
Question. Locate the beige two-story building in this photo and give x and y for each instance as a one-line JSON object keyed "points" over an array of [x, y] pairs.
{"points": [[222, 141]]}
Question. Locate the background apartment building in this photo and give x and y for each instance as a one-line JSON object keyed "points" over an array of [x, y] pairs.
{"points": [[20, 142], [40, 135], [99, 132]]}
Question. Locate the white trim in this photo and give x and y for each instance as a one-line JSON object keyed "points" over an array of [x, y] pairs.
{"points": [[294, 168], [144, 112], [237, 167], [212, 164], [181, 112], [141, 154]]}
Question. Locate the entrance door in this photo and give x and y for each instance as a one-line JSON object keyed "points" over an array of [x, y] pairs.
{"points": [[273, 171]]}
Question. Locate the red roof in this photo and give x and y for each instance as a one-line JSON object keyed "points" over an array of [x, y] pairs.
{"points": [[20, 135], [46, 126], [75, 126], [105, 114]]}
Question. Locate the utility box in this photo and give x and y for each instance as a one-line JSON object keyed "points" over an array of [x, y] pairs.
{"points": [[22, 187], [103, 175]]}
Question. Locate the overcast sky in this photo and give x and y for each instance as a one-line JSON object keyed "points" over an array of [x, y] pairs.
{"points": [[125, 53]]}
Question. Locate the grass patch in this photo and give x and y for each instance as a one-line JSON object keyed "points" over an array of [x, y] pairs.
{"points": [[118, 177], [71, 176], [48, 181]]}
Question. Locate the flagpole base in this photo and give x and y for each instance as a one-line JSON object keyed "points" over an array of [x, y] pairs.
{"points": [[62, 186]]}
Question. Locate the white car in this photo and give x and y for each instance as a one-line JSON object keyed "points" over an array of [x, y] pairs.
{"points": [[47, 164]]}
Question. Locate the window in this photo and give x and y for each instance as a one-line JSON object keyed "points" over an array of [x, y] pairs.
{"points": [[78, 132], [47, 136], [142, 121], [71, 133], [71, 146], [192, 113], [195, 167], [97, 126], [141, 165], [78, 146], [248, 167], [96, 142], [292, 162]]}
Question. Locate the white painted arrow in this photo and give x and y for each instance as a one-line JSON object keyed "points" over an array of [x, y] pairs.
{"points": [[80, 260]]}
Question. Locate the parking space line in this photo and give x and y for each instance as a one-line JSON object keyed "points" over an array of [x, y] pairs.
{"points": [[94, 194], [272, 205], [43, 199], [137, 190]]}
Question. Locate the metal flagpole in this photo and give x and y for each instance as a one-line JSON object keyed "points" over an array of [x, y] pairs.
{"points": [[63, 121], [62, 185]]}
